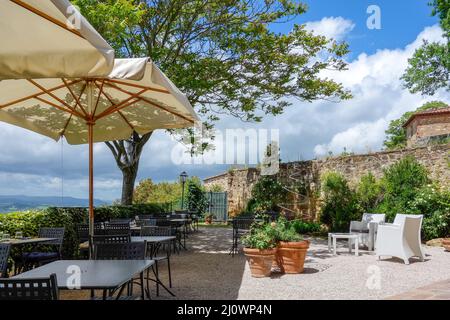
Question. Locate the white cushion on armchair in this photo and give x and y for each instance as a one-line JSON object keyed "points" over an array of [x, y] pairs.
{"points": [[368, 227]]}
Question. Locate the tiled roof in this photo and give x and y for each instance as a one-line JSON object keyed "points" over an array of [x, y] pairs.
{"points": [[428, 113]]}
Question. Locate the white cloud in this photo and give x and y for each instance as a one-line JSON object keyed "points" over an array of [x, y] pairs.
{"points": [[379, 97], [331, 27]]}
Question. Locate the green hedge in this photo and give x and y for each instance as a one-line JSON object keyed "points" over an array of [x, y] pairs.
{"points": [[30, 221]]}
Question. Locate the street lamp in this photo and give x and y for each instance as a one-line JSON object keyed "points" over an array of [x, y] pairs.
{"points": [[183, 177]]}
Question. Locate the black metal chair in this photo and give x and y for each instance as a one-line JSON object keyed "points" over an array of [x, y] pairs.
{"points": [[146, 222], [29, 289], [83, 231], [120, 220], [119, 238], [4, 255], [39, 258], [117, 228], [153, 250], [241, 226], [145, 216], [122, 251]]}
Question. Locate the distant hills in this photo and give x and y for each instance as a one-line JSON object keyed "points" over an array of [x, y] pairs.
{"points": [[20, 202]]}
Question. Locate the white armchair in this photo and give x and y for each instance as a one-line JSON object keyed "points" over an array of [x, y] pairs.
{"points": [[400, 239], [367, 227]]}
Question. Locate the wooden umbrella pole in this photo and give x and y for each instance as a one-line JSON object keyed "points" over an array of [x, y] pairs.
{"points": [[90, 125]]}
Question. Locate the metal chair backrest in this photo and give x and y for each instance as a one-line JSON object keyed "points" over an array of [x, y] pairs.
{"points": [[144, 216], [117, 228], [119, 220], [146, 222], [57, 233], [163, 223], [4, 255], [242, 223], [156, 231], [29, 289], [83, 231], [120, 251], [118, 238]]}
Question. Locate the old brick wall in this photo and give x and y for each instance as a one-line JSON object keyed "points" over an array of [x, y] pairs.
{"points": [[239, 183]]}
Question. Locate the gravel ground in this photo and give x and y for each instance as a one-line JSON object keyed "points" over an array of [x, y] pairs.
{"points": [[206, 271]]}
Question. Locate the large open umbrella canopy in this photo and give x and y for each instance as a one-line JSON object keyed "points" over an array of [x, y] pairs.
{"points": [[48, 38], [135, 96]]}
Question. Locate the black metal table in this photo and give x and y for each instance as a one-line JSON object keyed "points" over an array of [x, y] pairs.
{"points": [[106, 275]]}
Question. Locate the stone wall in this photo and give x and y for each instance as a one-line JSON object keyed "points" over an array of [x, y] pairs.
{"points": [[239, 183]]}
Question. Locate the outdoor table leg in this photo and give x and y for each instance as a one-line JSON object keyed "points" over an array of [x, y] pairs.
{"points": [[356, 247], [334, 246], [141, 276], [350, 244], [329, 242]]}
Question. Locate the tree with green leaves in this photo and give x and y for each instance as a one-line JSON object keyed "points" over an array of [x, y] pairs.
{"points": [[223, 54], [429, 67], [396, 134]]}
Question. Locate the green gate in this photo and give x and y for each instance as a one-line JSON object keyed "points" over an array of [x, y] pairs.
{"points": [[218, 205]]}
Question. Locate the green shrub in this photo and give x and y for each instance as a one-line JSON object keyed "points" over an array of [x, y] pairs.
{"points": [[267, 195], [401, 183], [435, 207], [284, 231], [29, 222], [369, 192], [196, 199], [340, 203], [306, 227]]}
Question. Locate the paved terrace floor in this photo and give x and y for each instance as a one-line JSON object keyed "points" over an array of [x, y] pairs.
{"points": [[206, 271]]}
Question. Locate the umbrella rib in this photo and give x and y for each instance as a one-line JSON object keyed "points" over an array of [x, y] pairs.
{"points": [[151, 103], [99, 94], [77, 100], [113, 104], [54, 97], [35, 95], [66, 125], [60, 108], [46, 17], [138, 86], [121, 105]]}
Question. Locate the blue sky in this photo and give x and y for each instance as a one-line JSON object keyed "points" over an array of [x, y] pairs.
{"points": [[31, 164], [402, 21]]}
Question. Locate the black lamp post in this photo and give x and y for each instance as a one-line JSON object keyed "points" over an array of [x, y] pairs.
{"points": [[183, 177]]}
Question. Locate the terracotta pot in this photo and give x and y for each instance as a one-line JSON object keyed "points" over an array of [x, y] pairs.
{"points": [[208, 220], [291, 256], [260, 261], [446, 244]]}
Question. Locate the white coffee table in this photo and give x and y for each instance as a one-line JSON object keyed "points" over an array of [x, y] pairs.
{"points": [[352, 239]]}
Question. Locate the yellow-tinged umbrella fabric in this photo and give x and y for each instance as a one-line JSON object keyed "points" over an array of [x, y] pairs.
{"points": [[48, 39]]}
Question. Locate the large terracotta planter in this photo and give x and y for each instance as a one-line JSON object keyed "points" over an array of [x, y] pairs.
{"points": [[260, 261], [291, 256], [446, 244]]}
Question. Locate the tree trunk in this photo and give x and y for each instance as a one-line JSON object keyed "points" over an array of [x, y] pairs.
{"points": [[127, 154], [129, 177]]}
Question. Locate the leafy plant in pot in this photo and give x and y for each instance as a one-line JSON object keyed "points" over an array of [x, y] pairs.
{"points": [[260, 249], [291, 251]]}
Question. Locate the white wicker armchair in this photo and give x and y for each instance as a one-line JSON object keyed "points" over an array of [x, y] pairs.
{"points": [[367, 228], [401, 239]]}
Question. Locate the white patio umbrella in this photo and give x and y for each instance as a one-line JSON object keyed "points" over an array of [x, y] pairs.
{"points": [[134, 97], [49, 38]]}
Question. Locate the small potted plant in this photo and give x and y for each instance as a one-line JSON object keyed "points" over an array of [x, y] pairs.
{"points": [[291, 251], [260, 250], [208, 218]]}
